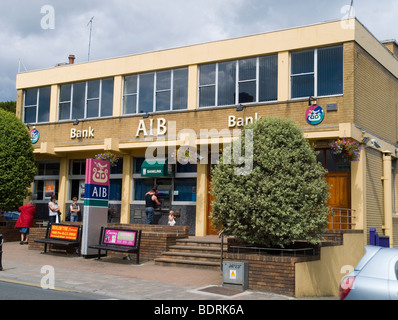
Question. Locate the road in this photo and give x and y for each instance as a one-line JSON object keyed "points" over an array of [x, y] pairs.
{"points": [[13, 290]]}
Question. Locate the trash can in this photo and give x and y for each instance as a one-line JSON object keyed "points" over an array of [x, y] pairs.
{"points": [[236, 274]]}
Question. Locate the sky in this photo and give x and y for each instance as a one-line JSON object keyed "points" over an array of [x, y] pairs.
{"points": [[38, 34]]}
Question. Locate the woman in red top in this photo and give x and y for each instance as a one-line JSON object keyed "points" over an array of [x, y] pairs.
{"points": [[25, 221]]}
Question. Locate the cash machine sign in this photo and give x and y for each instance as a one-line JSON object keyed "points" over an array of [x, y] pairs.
{"points": [[315, 115]]}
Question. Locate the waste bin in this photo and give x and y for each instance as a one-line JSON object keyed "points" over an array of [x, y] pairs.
{"points": [[236, 274]]}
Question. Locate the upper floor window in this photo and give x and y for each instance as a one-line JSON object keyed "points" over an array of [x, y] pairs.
{"points": [[239, 81], [37, 105], [317, 72], [156, 91], [89, 99]]}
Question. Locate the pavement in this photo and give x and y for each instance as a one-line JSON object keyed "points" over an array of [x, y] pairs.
{"points": [[116, 278]]}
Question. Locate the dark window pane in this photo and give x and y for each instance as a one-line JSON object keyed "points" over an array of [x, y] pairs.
{"points": [[93, 88], [64, 111], [79, 92], [30, 115], [163, 101], [180, 89], [268, 85], [185, 190], [247, 92], [107, 98], [146, 93], [92, 108], [163, 80], [302, 62], [226, 83], [247, 69], [44, 104], [130, 84], [303, 86], [207, 96], [330, 71], [142, 186], [65, 92], [31, 97], [207, 74]]}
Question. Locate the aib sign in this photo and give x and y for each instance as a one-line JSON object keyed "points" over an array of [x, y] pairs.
{"points": [[97, 183], [315, 115]]}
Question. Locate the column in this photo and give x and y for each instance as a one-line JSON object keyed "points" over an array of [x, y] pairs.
{"points": [[387, 183], [201, 200], [126, 189]]}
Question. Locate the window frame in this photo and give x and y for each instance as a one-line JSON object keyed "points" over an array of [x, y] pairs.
{"points": [[87, 99], [36, 106], [315, 73], [238, 82], [155, 91]]}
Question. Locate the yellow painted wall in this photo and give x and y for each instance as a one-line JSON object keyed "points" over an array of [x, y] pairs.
{"points": [[322, 277]]}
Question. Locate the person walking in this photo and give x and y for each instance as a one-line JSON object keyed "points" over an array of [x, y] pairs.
{"points": [[25, 221], [151, 201]]}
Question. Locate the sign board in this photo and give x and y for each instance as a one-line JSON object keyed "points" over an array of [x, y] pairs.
{"points": [[120, 237], [315, 115], [64, 232], [96, 196]]}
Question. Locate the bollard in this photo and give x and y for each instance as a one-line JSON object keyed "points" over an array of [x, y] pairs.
{"points": [[1, 250]]}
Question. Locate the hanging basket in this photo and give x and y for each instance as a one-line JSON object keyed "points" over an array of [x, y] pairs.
{"points": [[184, 155], [108, 156], [348, 149]]}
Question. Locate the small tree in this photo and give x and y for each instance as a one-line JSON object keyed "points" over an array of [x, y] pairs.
{"points": [[17, 163], [283, 199]]}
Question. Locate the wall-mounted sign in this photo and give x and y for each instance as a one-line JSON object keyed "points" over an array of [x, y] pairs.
{"points": [[315, 115], [34, 135]]}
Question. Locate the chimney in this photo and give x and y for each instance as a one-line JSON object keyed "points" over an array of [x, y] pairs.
{"points": [[71, 59]]}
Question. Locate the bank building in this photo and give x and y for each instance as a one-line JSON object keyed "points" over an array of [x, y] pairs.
{"points": [[334, 79]]}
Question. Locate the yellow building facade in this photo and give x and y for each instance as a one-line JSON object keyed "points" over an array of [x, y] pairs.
{"points": [[200, 95]]}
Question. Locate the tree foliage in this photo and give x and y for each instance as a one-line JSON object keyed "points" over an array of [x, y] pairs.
{"points": [[9, 106], [283, 199], [17, 163]]}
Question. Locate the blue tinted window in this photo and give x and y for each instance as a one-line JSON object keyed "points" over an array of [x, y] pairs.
{"points": [[330, 71], [185, 190], [268, 87]]}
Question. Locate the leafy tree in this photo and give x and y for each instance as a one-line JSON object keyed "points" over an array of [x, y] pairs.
{"points": [[283, 199], [17, 163], [8, 106]]}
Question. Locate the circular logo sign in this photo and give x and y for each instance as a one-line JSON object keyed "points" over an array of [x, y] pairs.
{"points": [[34, 136], [315, 115]]}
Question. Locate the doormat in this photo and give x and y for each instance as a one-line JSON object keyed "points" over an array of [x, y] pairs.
{"points": [[224, 291]]}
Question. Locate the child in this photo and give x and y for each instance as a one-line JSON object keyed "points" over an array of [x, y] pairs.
{"points": [[172, 221]]}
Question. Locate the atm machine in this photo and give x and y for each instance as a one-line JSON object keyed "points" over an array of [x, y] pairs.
{"points": [[164, 193]]}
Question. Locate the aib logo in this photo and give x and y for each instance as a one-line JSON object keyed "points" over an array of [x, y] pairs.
{"points": [[100, 174]]}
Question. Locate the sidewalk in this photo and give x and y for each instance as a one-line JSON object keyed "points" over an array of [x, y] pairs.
{"points": [[120, 279]]}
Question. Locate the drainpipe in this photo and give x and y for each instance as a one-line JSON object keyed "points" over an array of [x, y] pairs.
{"points": [[387, 182]]}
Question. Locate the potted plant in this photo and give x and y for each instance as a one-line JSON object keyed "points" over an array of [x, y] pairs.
{"points": [[108, 156], [348, 149]]}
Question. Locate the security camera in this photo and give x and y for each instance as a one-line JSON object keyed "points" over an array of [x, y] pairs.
{"points": [[375, 143]]}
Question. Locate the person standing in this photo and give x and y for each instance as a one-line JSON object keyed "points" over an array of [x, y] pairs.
{"points": [[151, 201], [74, 210], [53, 210], [25, 221]]}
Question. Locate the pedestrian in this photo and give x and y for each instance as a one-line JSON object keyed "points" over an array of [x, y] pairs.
{"points": [[74, 209], [53, 210], [172, 220], [151, 202], [25, 221]]}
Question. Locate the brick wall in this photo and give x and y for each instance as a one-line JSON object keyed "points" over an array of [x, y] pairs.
{"points": [[154, 239], [8, 230]]}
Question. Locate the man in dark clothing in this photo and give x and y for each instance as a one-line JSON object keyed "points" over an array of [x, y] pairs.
{"points": [[151, 201]]}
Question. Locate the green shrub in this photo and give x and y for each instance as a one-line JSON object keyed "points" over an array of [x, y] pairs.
{"points": [[283, 199]]}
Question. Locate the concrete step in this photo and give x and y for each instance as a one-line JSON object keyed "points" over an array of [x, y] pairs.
{"points": [[191, 256], [187, 263]]}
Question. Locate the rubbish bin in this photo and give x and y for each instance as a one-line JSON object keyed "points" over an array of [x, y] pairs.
{"points": [[236, 274], [1, 250]]}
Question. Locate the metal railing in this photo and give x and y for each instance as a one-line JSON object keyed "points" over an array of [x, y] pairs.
{"points": [[340, 219]]}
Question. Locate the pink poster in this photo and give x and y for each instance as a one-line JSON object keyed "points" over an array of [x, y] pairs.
{"points": [[120, 237]]}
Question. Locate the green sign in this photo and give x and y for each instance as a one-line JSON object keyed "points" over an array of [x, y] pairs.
{"points": [[156, 169]]}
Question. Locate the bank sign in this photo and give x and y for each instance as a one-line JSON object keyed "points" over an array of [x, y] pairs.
{"points": [[97, 183]]}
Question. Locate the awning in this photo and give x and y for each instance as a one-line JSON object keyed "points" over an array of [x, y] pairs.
{"points": [[159, 168]]}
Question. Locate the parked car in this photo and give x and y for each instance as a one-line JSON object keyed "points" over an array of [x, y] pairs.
{"points": [[374, 278]]}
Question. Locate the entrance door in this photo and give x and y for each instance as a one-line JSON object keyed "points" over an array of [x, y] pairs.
{"points": [[210, 228], [340, 200]]}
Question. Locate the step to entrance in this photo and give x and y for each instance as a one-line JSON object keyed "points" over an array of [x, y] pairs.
{"points": [[194, 252]]}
